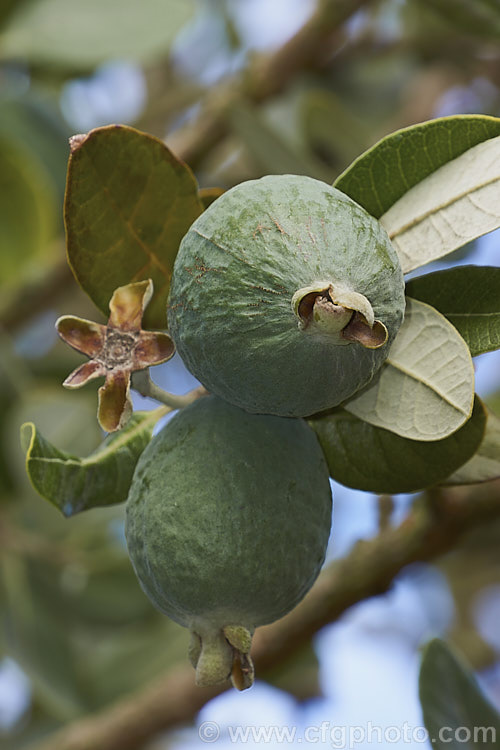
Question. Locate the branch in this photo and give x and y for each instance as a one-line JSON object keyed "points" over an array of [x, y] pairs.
{"points": [[432, 528], [267, 77]]}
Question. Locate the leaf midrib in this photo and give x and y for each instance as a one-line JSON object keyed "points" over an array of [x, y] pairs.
{"points": [[424, 382], [101, 453], [422, 217], [148, 252]]}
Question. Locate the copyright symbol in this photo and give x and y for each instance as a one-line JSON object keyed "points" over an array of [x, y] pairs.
{"points": [[209, 731]]}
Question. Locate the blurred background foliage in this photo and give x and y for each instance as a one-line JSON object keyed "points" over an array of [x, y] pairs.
{"points": [[76, 630]]}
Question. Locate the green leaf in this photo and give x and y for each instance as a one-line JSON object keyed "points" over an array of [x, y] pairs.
{"points": [[74, 484], [64, 417], [27, 211], [384, 173], [369, 458], [485, 463], [425, 389], [129, 202], [469, 297], [456, 713], [454, 205], [82, 35], [272, 153]]}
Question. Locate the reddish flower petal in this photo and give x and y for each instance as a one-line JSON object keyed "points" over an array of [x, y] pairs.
{"points": [[152, 349], [115, 405], [84, 374], [83, 335], [127, 305]]}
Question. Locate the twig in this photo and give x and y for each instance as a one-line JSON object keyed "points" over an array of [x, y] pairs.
{"points": [[432, 528], [142, 383]]}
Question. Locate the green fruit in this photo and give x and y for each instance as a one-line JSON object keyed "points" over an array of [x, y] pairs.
{"points": [[228, 519], [285, 296]]}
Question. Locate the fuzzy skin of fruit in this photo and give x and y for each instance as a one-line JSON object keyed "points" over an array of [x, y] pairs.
{"points": [[238, 268], [227, 522]]}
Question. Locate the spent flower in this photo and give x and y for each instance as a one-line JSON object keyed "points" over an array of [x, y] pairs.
{"points": [[115, 350]]}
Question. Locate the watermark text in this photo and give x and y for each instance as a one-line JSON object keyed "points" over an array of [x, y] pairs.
{"points": [[343, 737]]}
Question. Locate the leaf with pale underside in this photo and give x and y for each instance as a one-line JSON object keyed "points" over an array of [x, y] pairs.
{"points": [[129, 202], [365, 457], [75, 484], [456, 713], [384, 173], [454, 205], [425, 389], [485, 463], [469, 297]]}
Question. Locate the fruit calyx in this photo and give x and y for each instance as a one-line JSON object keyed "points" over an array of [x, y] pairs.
{"points": [[336, 310], [222, 654]]}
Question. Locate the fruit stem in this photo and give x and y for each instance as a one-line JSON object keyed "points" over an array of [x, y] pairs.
{"points": [[142, 383]]}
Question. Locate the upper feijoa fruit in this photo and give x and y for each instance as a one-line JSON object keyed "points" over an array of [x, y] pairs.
{"points": [[285, 296]]}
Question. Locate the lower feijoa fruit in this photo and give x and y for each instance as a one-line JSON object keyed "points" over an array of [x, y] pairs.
{"points": [[227, 523]]}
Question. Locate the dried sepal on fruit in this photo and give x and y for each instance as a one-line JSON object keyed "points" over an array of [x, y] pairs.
{"points": [[335, 310], [115, 350]]}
